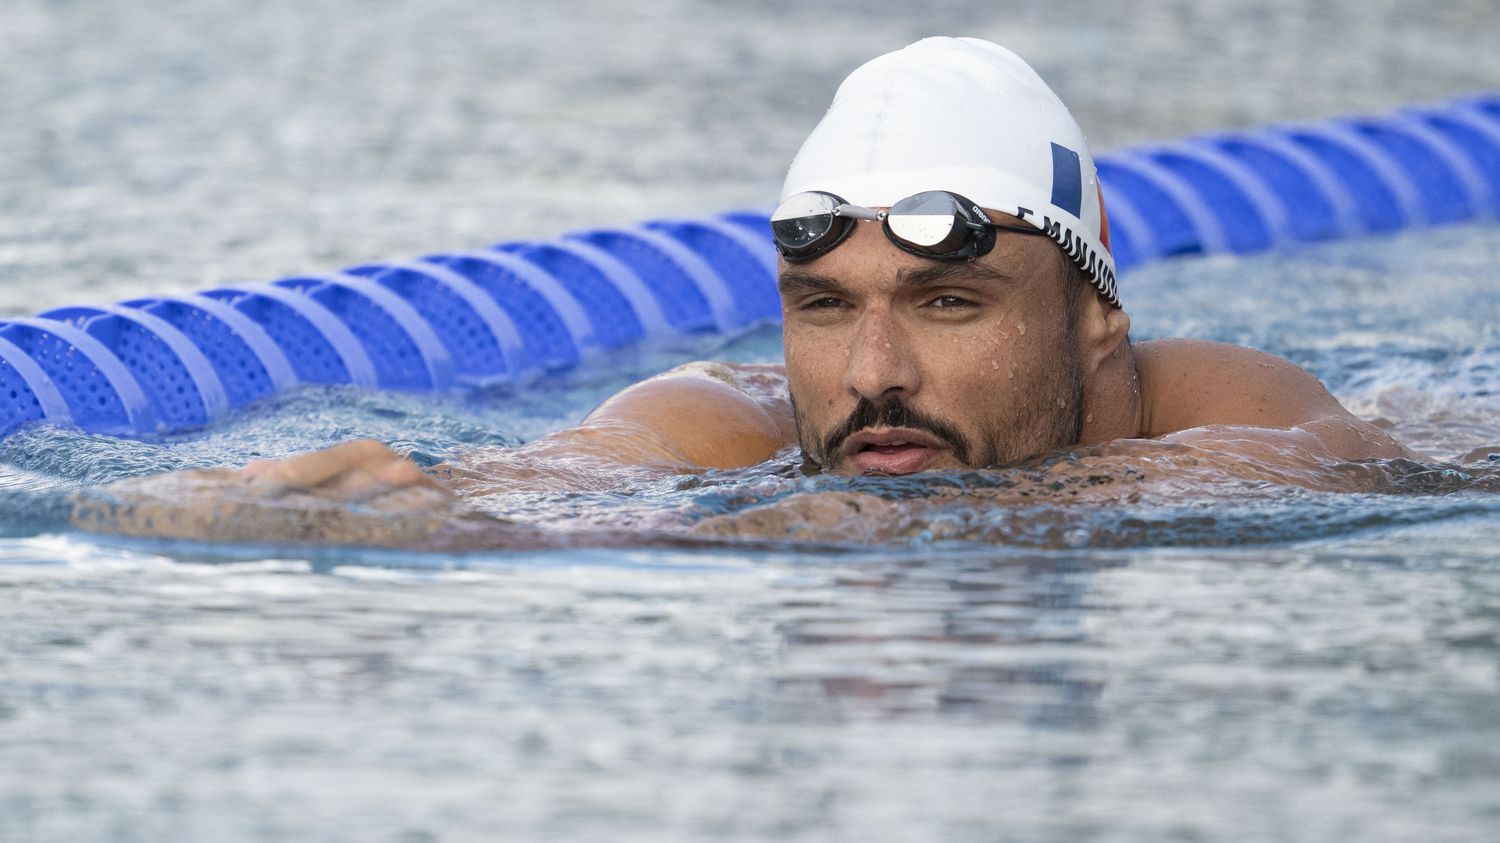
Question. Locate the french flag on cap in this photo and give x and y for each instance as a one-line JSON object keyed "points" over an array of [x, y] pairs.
{"points": [[1067, 188], [1067, 180]]}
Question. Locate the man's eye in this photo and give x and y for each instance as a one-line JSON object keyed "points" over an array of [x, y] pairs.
{"points": [[948, 302], [824, 303]]}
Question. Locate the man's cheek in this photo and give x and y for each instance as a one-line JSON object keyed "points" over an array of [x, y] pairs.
{"points": [[812, 398]]}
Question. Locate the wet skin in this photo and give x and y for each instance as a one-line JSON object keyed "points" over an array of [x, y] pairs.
{"points": [[894, 364], [941, 364]]}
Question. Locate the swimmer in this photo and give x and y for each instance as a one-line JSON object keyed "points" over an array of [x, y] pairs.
{"points": [[949, 301]]}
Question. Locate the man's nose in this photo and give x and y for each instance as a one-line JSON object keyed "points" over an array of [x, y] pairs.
{"points": [[881, 362]]}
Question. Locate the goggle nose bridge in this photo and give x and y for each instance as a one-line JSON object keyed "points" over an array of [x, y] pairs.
{"points": [[859, 212]]}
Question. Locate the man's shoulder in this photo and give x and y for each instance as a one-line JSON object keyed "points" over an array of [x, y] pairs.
{"points": [[705, 414], [1193, 383]]}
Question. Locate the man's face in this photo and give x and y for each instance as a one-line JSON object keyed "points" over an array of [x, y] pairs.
{"points": [[899, 364]]}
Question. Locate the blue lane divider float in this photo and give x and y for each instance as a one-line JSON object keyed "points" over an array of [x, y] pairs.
{"points": [[1243, 192], [159, 364]]}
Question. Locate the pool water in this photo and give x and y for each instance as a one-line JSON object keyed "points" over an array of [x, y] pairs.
{"points": [[1230, 662]]}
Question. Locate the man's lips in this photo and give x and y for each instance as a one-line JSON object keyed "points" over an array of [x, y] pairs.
{"points": [[895, 450]]}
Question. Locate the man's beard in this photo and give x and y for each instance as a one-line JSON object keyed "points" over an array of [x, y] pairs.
{"points": [[1046, 417]]}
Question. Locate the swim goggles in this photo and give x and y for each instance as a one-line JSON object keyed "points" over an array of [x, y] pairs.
{"points": [[933, 224]]}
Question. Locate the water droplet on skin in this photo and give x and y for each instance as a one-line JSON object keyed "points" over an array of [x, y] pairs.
{"points": [[1088, 418], [1021, 328], [1011, 375], [995, 364]]}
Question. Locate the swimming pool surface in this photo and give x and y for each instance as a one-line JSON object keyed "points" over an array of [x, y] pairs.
{"points": [[1231, 662]]}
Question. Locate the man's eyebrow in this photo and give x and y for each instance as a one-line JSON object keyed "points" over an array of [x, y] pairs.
{"points": [[943, 272], [937, 272], [792, 281]]}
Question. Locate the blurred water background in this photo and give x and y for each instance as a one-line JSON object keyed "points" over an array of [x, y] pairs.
{"points": [[1321, 668]]}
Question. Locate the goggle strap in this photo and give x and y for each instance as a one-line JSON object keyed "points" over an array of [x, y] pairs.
{"points": [[1019, 229]]}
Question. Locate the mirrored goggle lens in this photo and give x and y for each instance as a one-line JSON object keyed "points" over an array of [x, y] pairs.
{"points": [[931, 221], [804, 221]]}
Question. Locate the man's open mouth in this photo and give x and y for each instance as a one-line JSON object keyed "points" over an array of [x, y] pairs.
{"points": [[892, 451]]}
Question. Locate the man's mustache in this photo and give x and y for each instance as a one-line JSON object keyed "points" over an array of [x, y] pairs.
{"points": [[894, 413]]}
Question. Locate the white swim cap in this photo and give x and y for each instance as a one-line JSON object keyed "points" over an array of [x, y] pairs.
{"points": [[967, 116]]}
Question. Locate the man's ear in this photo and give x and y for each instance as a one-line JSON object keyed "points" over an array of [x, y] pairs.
{"points": [[1102, 330]]}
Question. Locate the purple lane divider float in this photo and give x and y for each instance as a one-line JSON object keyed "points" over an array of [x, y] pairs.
{"points": [[159, 364]]}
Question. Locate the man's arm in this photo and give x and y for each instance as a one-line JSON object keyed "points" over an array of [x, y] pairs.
{"points": [[694, 417]]}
